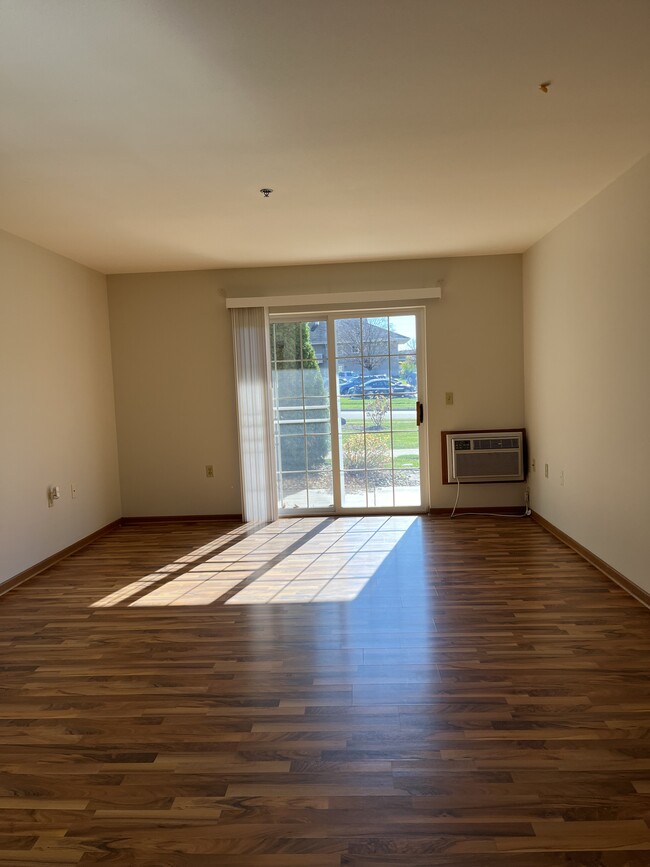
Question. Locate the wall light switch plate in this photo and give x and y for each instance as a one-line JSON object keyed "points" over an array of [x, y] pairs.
{"points": [[449, 398], [209, 471]]}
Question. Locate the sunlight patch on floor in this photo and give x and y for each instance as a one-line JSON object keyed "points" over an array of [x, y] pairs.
{"points": [[332, 565]]}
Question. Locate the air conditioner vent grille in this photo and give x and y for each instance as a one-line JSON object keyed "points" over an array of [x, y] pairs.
{"points": [[487, 465], [493, 444]]}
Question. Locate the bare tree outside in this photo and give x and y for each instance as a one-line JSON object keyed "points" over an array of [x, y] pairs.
{"points": [[372, 338], [377, 408]]}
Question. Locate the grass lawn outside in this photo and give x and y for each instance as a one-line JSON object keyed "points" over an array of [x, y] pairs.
{"points": [[403, 462], [405, 437], [357, 403]]}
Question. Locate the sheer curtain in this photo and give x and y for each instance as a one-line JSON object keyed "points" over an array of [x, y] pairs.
{"points": [[255, 414]]}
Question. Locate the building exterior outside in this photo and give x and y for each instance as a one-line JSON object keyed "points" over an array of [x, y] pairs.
{"points": [[385, 348]]}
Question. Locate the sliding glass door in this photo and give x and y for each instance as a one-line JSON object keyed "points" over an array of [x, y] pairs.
{"points": [[349, 420]]}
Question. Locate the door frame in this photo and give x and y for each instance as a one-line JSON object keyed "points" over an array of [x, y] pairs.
{"points": [[329, 316]]}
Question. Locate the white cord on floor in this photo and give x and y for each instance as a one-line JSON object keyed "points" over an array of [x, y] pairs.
{"points": [[525, 514]]}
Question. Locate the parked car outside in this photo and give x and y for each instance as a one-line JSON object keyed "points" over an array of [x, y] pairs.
{"points": [[381, 386], [357, 380], [344, 387]]}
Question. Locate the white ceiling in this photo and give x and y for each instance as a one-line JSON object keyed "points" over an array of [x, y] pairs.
{"points": [[135, 134]]}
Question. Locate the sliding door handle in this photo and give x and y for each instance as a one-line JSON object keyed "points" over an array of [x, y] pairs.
{"points": [[419, 413]]}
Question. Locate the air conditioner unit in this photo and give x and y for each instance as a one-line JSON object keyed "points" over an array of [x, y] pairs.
{"points": [[483, 456]]}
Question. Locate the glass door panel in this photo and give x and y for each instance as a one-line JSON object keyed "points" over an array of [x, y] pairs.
{"points": [[380, 441], [301, 415]]}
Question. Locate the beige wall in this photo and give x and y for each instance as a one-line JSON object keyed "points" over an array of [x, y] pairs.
{"points": [[587, 361], [175, 394], [56, 401], [172, 357]]}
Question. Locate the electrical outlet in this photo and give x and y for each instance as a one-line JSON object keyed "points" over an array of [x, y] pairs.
{"points": [[449, 398], [209, 471], [546, 471]]}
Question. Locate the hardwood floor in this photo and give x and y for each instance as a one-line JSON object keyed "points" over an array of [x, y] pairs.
{"points": [[484, 701]]}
